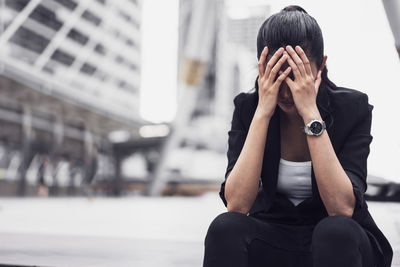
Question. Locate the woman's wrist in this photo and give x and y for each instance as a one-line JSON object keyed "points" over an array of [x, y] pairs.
{"points": [[262, 113], [312, 114]]}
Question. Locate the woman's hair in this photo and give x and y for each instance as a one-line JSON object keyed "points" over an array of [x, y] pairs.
{"points": [[293, 26]]}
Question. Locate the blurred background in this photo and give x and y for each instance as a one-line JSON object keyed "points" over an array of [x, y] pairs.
{"points": [[114, 118]]}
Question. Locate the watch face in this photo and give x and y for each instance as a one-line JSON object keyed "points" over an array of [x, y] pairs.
{"points": [[316, 127]]}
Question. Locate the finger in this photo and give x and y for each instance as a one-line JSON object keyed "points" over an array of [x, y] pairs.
{"points": [[278, 66], [289, 82], [272, 61], [304, 58], [282, 76], [319, 75], [296, 59], [296, 71], [261, 63], [318, 80]]}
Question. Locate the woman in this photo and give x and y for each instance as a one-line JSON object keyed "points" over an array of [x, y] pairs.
{"points": [[297, 162]]}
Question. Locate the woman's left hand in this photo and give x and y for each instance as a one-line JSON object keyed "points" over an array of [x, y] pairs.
{"points": [[305, 86]]}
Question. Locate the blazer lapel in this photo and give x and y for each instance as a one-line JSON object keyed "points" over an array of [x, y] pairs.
{"points": [[269, 171]]}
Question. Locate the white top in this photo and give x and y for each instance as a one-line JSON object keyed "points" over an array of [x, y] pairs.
{"points": [[294, 180]]}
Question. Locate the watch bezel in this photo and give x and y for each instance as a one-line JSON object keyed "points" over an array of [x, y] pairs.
{"points": [[307, 127]]}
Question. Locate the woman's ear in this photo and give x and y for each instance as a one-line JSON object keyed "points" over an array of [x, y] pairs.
{"points": [[321, 68], [323, 63]]}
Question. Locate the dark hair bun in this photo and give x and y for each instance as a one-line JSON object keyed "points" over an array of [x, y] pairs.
{"points": [[294, 8]]}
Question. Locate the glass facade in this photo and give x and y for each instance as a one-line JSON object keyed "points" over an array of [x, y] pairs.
{"points": [[87, 50]]}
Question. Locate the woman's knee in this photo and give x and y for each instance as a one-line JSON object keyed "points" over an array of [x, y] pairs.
{"points": [[228, 225], [226, 240], [334, 229], [341, 241]]}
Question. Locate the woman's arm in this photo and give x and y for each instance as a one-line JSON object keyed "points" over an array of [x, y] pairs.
{"points": [[243, 181], [241, 187], [335, 187], [340, 186]]}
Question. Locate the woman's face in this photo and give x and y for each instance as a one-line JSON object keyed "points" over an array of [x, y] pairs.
{"points": [[285, 98]]}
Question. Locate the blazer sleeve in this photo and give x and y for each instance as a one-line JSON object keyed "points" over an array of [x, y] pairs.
{"points": [[236, 138], [354, 153]]}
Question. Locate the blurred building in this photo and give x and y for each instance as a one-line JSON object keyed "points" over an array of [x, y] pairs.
{"points": [[216, 51], [243, 24], [392, 9], [237, 53], [69, 76], [84, 51]]}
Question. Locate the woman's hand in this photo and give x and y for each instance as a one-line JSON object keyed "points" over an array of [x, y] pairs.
{"points": [[268, 86], [305, 86]]}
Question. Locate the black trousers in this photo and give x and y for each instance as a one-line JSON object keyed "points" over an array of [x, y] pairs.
{"points": [[237, 240]]}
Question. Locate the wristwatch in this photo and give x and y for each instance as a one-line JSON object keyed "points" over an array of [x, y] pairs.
{"points": [[314, 127]]}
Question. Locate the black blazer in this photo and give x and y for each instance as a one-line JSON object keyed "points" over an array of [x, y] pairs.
{"points": [[348, 117]]}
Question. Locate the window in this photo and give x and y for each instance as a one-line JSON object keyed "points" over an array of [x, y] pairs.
{"points": [[29, 40], [88, 68], [63, 57], [67, 3], [77, 36], [46, 16], [92, 18]]}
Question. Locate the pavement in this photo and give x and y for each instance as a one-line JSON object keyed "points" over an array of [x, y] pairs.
{"points": [[130, 231]]}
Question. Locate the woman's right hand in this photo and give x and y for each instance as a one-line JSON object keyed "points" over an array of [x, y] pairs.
{"points": [[268, 86]]}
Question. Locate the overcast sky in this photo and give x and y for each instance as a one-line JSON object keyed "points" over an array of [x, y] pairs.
{"points": [[159, 59]]}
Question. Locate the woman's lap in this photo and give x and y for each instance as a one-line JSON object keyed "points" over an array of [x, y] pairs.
{"points": [[262, 254], [248, 241], [236, 239]]}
